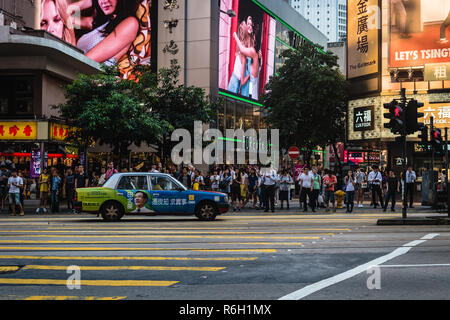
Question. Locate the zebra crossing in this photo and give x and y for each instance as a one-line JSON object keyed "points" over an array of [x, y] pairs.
{"points": [[38, 256]]}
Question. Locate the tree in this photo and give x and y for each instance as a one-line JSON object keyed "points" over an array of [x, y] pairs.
{"points": [[106, 109], [175, 103], [306, 99]]}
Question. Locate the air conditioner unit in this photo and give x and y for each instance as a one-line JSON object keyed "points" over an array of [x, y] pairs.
{"points": [[13, 25]]}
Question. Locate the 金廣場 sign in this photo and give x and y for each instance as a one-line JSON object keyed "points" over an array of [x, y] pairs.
{"points": [[363, 119], [363, 27]]}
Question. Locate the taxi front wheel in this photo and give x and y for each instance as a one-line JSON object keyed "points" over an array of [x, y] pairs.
{"points": [[206, 211], [112, 211]]}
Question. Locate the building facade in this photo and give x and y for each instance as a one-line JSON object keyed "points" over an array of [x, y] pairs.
{"points": [[328, 16], [196, 33], [402, 45]]}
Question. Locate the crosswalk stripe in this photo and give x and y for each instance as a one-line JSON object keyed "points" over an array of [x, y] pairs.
{"points": [[127, 258], [134, 249], [101, 283], [73, 298], [8, 268], [168, 229], [174, 237], [131, 268], [152, 233], [374, 215], [142, 242]]}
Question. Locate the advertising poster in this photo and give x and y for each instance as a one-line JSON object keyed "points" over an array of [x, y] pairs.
{"points": [[246, 49], [138, 201], [420, 32], [35, 164], [109, 32], [363, 36]]}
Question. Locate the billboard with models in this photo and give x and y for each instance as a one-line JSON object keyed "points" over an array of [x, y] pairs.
{"points": [[246, 49], [107, 31]]}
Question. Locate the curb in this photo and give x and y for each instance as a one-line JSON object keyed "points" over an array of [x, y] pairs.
{"points": [[414, 221]]}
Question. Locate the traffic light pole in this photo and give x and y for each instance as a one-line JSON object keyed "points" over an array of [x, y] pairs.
{"points": [[405, 165], [446, 172], [432, 149]]}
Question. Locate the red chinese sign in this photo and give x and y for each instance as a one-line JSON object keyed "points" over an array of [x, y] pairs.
{"points": [[59, 131], [18, 130]]}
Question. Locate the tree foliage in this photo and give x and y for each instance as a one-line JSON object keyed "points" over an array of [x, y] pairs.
{"points": [[176, 103], [119, 112], [307, 99]]}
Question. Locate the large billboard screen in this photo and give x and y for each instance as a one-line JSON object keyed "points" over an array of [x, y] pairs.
{"points": [[420, 32], [246, 49], [107, 31]]}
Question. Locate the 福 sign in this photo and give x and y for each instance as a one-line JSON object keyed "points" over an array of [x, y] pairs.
{"points": [[363, 118]]}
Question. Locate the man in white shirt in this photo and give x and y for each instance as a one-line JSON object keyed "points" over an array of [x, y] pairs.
{"points": [[375, 179], [269, 178], [306, 187], [15, 183], [410, 181], [153, 169], [215, 179]]}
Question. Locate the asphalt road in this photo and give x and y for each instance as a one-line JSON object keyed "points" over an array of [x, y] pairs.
{"points": [[243, 255]]}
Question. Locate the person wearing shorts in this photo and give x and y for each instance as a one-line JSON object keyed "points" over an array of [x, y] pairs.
{"points": [[360, 178], [44, 180], [15, 183], [329, 182]]}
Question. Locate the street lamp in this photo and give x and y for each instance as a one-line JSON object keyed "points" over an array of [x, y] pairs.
{"points": [[230, 13]]}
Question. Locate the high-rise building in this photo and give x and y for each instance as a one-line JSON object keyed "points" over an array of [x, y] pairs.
{"points": [[329, 16]]}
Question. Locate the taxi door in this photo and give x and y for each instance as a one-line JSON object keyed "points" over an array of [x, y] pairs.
{"points": [[167, 197]]}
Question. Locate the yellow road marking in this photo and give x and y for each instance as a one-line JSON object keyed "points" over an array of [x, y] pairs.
{"points": [[150, 233], [140, 242], [126, 258], [102, 283], [76, 227], [8, 268], [174, 218], [177, 237], [134, 268], [133, 249], [73, 298]]}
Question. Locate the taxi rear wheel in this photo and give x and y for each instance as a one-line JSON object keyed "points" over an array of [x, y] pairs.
{"points": [[206, 211], [112, 211]]}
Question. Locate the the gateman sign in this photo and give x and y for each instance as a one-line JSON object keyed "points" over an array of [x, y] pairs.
{"points": [[363, 118]]}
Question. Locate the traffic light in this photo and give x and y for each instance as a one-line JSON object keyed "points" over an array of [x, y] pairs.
{"points": [[437, 142], [424, 135], [412, 116], [396, 115]]}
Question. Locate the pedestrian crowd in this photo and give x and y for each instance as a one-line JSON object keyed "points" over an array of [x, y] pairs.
{"points": [[261, 188]]}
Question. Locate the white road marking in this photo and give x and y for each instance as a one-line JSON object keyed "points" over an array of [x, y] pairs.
{"points": [[430, 236], [310, 289], [414, 265]]}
